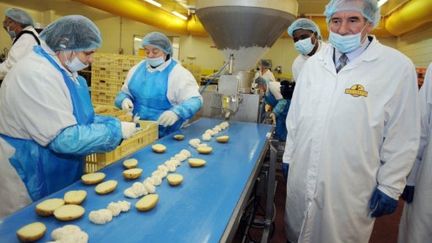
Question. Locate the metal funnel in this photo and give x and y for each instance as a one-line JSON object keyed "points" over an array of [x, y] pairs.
{"points": [[245, 28]]}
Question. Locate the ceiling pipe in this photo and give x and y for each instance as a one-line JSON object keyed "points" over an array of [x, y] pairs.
{"points": [[410, 16]]}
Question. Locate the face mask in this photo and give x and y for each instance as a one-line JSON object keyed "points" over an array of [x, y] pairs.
{"points": [[75, 65], [346, 43], [154, 62], [11, 33], [304, 46]]}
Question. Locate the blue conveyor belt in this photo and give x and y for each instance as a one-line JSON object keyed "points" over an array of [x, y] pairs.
{"points": [[196, 211]]}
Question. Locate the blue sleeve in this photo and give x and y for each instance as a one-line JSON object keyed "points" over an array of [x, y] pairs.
{"points": [[280, 106], [188, 108], [101, 136], [119, 99]]}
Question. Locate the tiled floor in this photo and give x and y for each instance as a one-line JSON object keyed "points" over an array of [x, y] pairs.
{"points": [[385, 229]]}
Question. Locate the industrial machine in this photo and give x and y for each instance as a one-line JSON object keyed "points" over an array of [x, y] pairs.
{"points": [[244, 30]]}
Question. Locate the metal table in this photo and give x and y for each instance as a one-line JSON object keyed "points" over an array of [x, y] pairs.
{"points": [[206, 207]]}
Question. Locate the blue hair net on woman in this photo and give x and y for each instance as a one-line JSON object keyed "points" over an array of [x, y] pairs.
{"points": [[19, 16], [158, 40], [368, 8], [304, 24], [72, 33]]}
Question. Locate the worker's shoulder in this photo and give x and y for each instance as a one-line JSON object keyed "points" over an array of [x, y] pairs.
{"points": [[33, 65]]}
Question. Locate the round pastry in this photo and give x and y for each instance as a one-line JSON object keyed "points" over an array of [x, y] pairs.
{"points": [[147, 202], [222, 139], [31, 232], [132, 174], [93, 178], [130, 163], [204, 149], [174, 179], [159, 148], [178, 137], [47, 207], [75, 197], [69, 212], [106, 187], [195, 162]]}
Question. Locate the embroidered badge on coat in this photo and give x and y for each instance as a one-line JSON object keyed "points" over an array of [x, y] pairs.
{"points": [[357, 90]]}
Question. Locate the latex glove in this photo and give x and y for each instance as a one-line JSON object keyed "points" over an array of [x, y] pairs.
{"points": [[380, 204], [285, 169], [127, 104], [128, 129], [168, 118], [408, 194]]}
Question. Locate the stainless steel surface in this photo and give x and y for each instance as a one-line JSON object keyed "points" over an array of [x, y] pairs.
{"points": [[245, 81]]}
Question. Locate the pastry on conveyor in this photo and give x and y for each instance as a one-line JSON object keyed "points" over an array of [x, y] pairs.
{"points": [[47, 207], [178, 137], [195, 162], [101, 216], [93, 178], [147, 202], [204, 149], [75, 197], [106, 187], [222, 139], [69, 233], [69, 212], [174, 179], [159, 148], [31, 232], [130, 163], [132, 174]]}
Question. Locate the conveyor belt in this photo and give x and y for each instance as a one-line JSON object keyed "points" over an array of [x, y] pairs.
{"points": [[201, 209]]}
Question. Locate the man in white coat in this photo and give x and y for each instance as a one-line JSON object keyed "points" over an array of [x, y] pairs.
{"points": [[19, 26], [307, 41], [353, 131], [416, 221]]}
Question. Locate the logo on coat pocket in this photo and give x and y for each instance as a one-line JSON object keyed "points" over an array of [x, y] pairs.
{"points": [[357, 90]]}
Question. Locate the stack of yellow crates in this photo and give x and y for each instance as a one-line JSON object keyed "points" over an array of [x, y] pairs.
{"points": [[109, 72]]}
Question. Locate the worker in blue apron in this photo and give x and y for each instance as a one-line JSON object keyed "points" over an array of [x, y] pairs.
{"points": [[47, 122], [159, 88]]}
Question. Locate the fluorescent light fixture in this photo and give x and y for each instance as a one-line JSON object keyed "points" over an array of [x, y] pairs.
{"points": [[154, 3], [179, 15], [381, 2]]}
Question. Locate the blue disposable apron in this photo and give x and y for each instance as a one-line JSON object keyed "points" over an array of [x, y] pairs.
{"points": [[42, 170], [280, 131], [149, 92]]}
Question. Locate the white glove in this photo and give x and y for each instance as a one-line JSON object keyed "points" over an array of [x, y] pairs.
{"points": [[127, 104], [128, 129], [168, 118]]}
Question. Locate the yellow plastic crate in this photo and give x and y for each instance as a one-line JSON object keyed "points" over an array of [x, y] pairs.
{"points": [[147, 135]]}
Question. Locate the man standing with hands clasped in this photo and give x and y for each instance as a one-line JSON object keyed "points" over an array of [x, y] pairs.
{"points": [[353, 131]]}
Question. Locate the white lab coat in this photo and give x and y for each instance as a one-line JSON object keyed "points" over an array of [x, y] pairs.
{"points": [[22, 47], [34, 104], [181, 83], [301, 59], [340, 147], [416, 221], [267, 75]]}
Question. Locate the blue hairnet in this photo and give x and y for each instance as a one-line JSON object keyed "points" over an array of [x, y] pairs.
{"points": [[368, 8], [158, 40], [72, 33], [19, 16], [304, 24]]}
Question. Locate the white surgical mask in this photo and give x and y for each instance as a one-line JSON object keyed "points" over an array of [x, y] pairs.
{"points": [[11, 33], [304, 46], [346, 43], [75, 65], [154, 62]]}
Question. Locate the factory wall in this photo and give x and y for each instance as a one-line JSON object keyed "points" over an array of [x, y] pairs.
{"points": [[417, 45]]}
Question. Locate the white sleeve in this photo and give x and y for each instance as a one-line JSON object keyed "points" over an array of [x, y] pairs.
{"points": [[22, 47], [275, 90], [181, 85]]}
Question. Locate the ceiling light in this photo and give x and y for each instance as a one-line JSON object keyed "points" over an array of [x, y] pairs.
{"points": [[381, 2], [179, 15], [154, 3]]}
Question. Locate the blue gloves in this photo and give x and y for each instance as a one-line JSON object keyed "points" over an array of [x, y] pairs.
{"points": [[381, 204], [408, 194], [285, 169]]}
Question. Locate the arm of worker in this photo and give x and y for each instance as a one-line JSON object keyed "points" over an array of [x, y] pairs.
{"points": [[124, 93], [87, 139], [401, 136], [425, 95], [22, 47], [280, 106]]}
